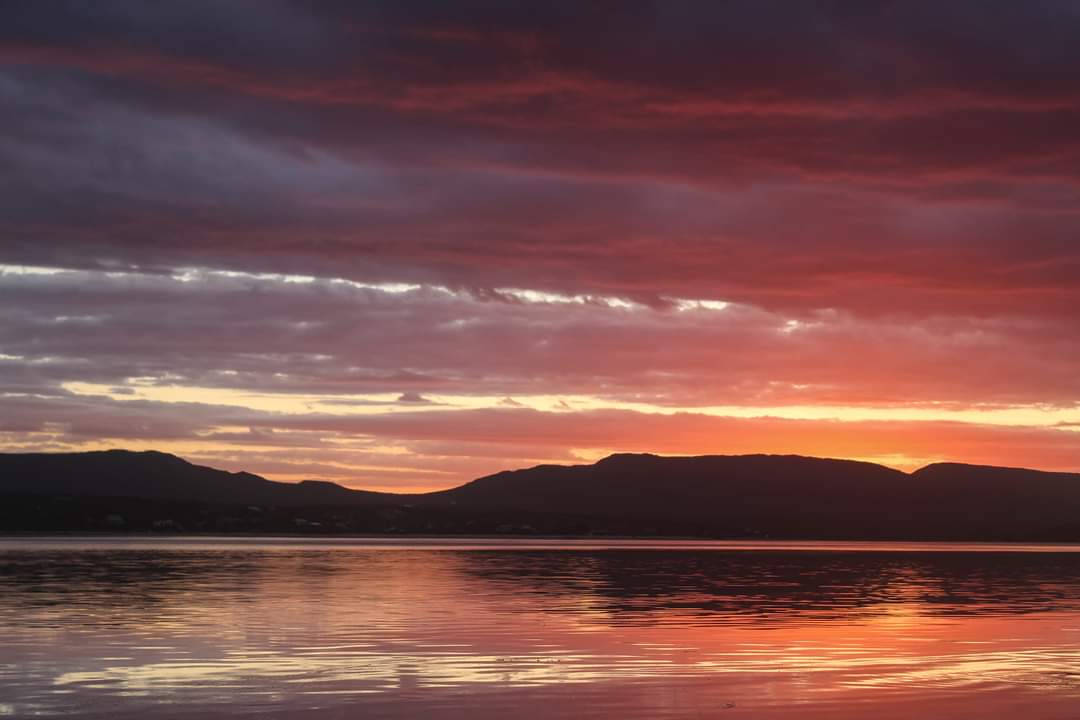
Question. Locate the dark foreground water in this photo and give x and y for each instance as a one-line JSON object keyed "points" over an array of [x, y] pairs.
{"points": [[189, 628]]}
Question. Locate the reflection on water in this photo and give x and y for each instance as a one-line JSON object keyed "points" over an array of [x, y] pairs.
{"points": [[184, 628]]}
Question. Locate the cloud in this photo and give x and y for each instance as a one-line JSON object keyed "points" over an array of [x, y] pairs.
{"points": [[412, 398], [322, 337]]}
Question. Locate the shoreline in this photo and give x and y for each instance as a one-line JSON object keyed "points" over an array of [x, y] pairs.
{"points": [[461, 542]]}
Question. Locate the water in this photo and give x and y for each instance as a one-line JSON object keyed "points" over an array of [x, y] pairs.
{"points": [[181, 628]]}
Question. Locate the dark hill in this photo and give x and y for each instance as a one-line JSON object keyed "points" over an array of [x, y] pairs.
{"points": [[758, 493], [794, 496], [725, 496], [985, 500], [155, 475]]}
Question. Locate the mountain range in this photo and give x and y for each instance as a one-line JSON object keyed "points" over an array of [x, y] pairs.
{"points": [[779, 496]]}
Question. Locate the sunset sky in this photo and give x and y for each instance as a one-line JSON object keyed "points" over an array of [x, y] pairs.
{"points": [[400, 245]]}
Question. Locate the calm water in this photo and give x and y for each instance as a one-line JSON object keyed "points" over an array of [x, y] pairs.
{"points": [[185, 628]]}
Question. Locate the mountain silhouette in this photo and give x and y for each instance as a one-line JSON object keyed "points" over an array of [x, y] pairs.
{"points": [[157, 475], [781, 496]]}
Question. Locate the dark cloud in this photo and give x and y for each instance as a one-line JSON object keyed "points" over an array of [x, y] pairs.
{"points": [[413, 398]]}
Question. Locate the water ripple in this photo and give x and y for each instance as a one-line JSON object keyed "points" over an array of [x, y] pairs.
{"points": [[122, 628]]}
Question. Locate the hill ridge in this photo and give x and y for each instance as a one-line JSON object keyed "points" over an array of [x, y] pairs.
{"points": [[724, 495]]}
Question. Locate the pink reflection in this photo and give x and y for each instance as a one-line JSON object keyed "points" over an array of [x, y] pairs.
{"points": [[619, 630]]}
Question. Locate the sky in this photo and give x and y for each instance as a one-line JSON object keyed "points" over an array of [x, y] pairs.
{"points": [[400, 245]]}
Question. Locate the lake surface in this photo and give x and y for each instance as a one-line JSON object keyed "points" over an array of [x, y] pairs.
{"points": [[283, 628]]}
